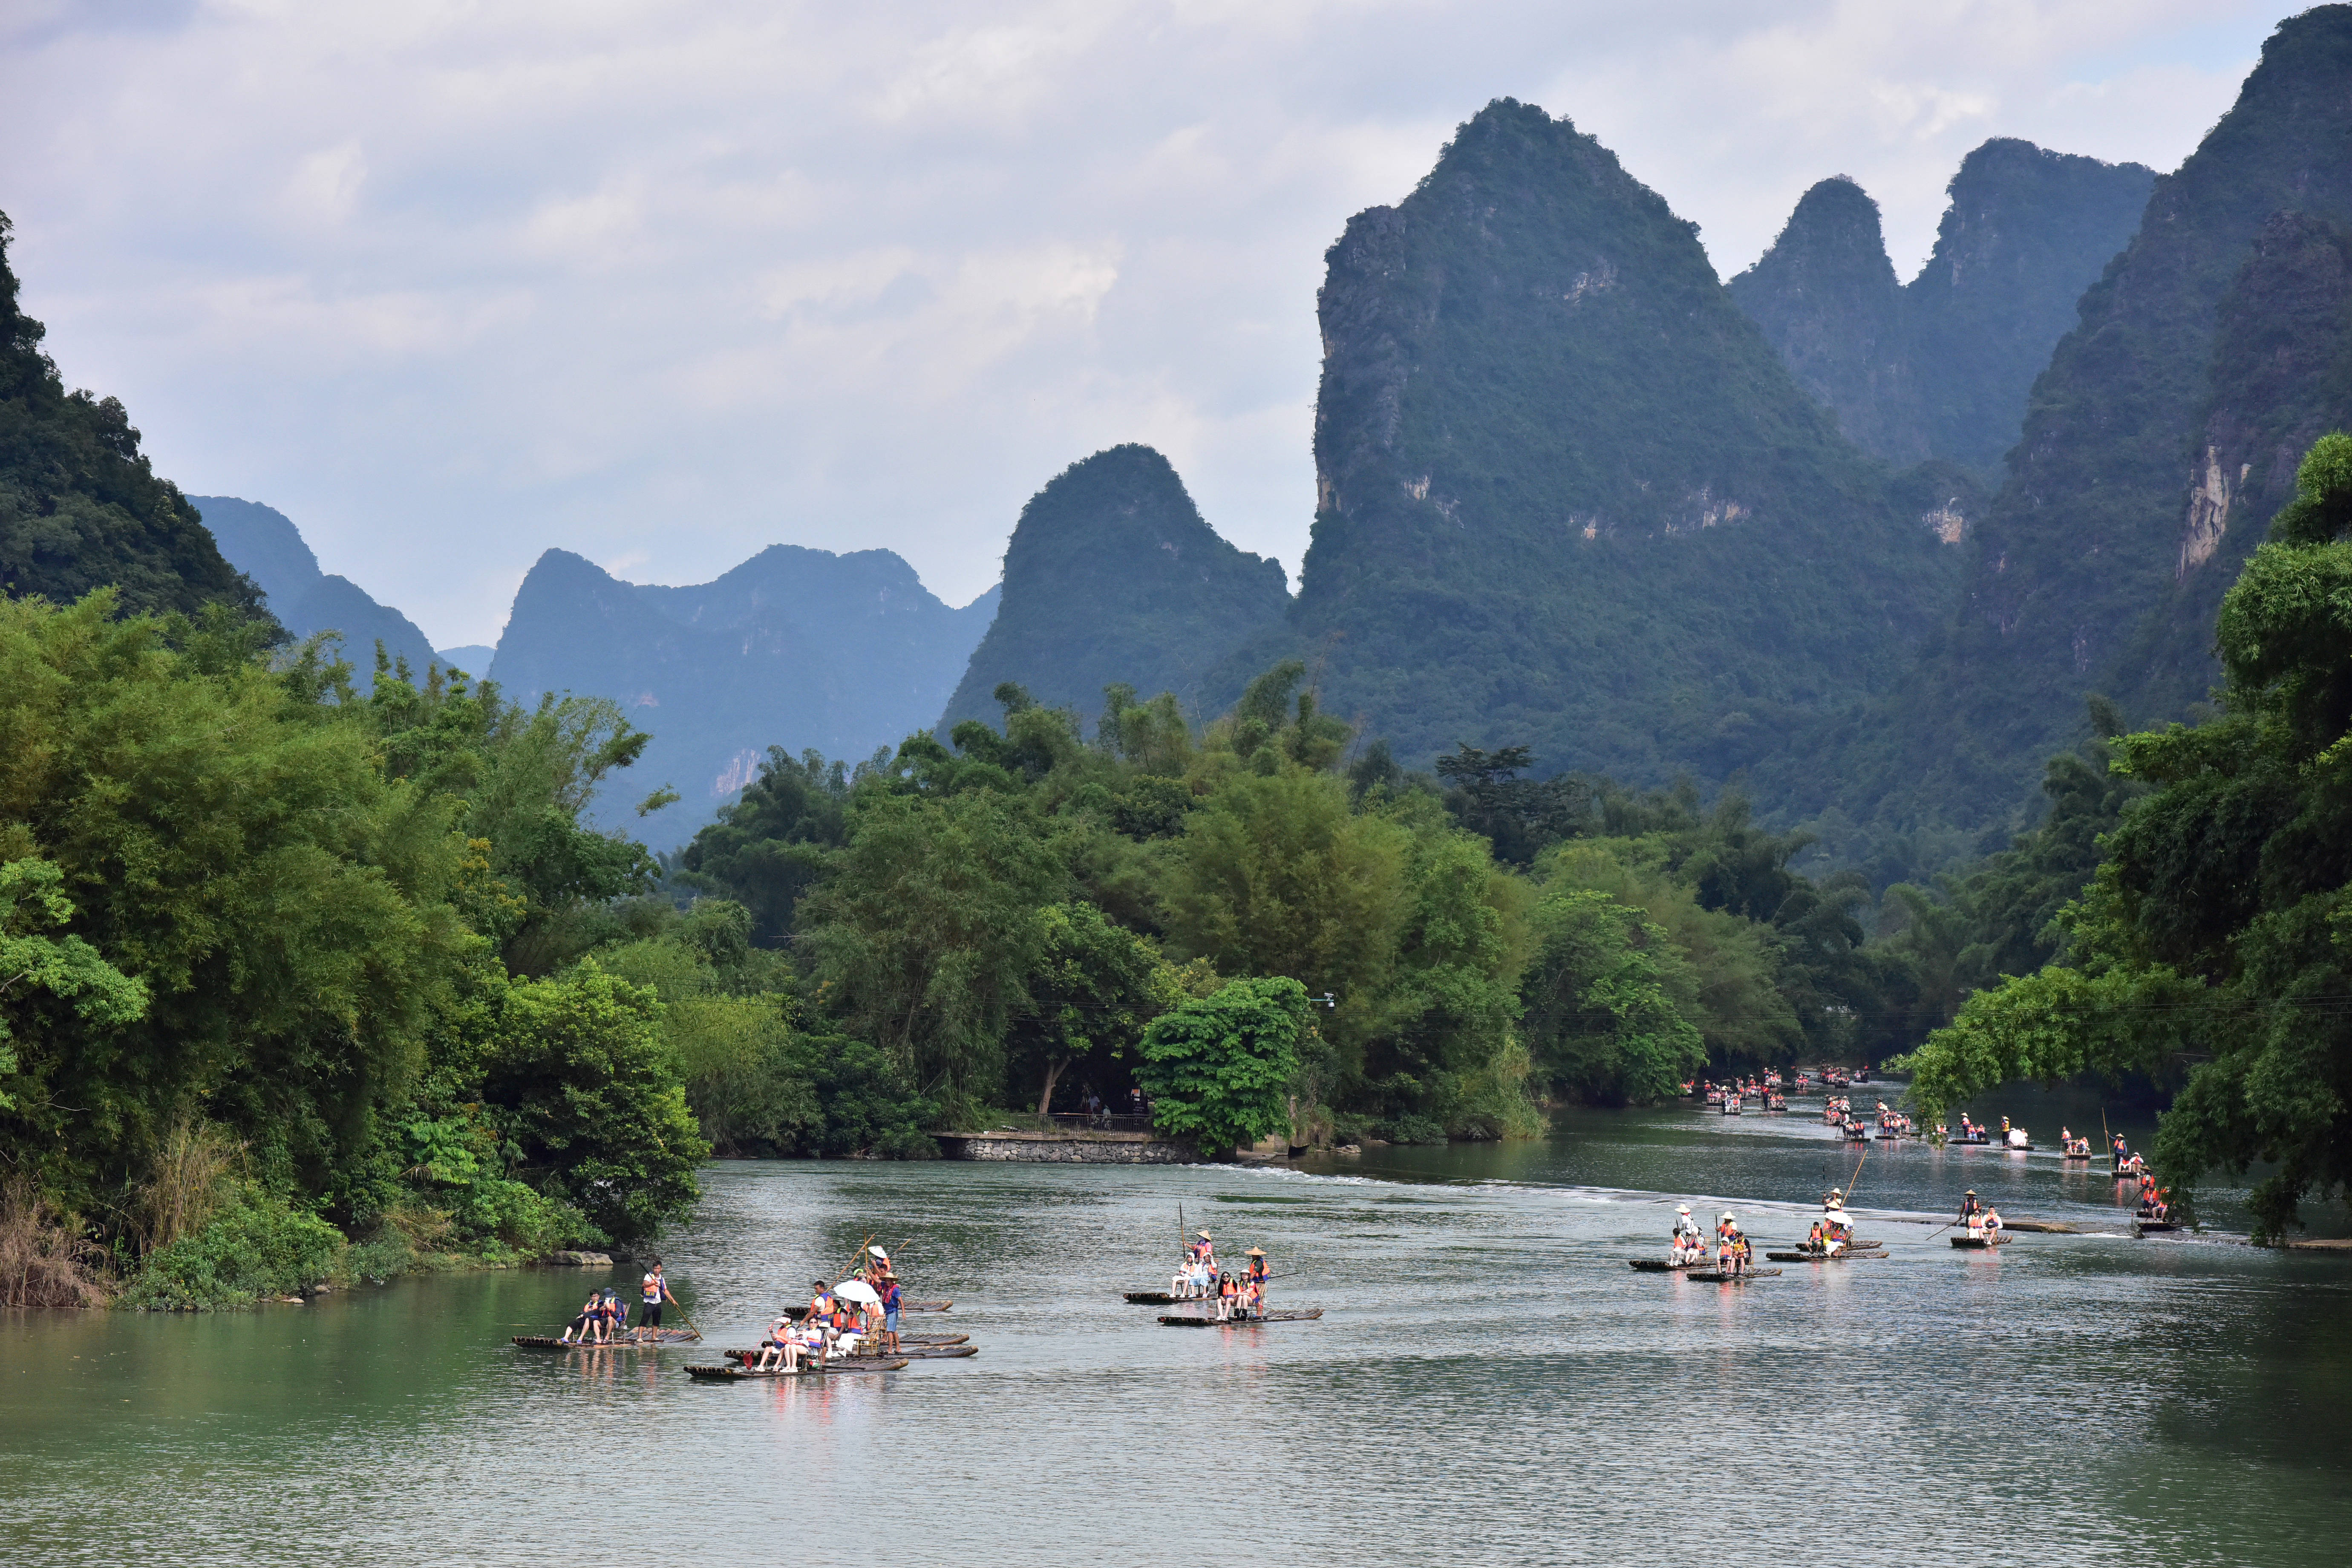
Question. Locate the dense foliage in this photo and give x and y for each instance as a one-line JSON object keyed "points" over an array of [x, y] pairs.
{"points": [[272, 950], [2214, 945], [1011, 918]]}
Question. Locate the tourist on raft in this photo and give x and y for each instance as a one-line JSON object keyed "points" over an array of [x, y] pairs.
{"points": [[1688, 1247], [653, 1292], [588, 1328]]}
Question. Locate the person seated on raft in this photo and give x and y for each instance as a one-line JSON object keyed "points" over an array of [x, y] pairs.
{"points": [[1815, 1241], [1743, 1256], [1991, 1228], [591, 1316], [1252, 1303], [776, 1351], [820, 1303]]}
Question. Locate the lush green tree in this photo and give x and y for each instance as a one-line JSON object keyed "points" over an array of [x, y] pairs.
{"points": [[928, 927], [1518, 817], [2216, 934], [1219, 1070], [767, 848], [1091, 991], [235, 846], [1601, 1010], [66, 969], [1726, 981], [584, 1088]]}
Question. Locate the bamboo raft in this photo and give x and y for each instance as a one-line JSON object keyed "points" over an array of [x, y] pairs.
{"points": [[1980, 1243], [839, 1366], [2143, 1226], [660, 1337], [1801, 1255], [1725, 1275], [1293, 1315], [1157, 1299], [1660, 1265]]}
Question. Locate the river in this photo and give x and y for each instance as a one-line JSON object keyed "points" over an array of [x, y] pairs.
{"points": [[1490, 1383]]}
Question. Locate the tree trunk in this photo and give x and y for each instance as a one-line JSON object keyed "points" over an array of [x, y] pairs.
{"points": [[1053, 1072]]}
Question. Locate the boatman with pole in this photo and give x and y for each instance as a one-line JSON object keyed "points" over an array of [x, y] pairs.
{"points": [[1971, 1212], [653, 1292]]}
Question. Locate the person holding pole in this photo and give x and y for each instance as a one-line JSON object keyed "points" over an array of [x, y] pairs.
{"points": [[652, 1292]]}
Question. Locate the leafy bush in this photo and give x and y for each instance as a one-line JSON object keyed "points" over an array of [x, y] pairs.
{"points": [[1409, 1130], [257, 1245]]}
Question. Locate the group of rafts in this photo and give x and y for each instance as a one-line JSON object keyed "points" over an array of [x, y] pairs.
{"points": [[848, 1325], [1731, 1259], [1220, 1298]]}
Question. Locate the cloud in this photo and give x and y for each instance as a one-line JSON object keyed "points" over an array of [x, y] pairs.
{"points": [[665, 283]]}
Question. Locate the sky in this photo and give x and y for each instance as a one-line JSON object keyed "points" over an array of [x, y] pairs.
{"points": [[452, 282]]}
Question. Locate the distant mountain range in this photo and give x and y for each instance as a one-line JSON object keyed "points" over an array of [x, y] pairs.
{"points": [[263, 542], [1863, 545], [799, 648]]}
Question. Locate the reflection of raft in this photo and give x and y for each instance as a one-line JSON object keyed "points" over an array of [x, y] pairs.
{"points": [[653, 1341], [1725, 1275], [839, 1364], [1801, 1255], [1294, 1315], [1978, 1243]]}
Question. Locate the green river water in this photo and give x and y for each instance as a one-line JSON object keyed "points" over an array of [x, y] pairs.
{"points": [[1490, 1383]]}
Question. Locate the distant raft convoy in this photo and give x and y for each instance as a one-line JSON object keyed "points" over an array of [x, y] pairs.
{"points": [[852, 1324]]}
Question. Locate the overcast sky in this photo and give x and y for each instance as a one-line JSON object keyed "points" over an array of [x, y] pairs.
{"points": [[453, 281]]}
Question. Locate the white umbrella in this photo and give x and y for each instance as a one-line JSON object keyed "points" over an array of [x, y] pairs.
{"points": [[856, 1290]]}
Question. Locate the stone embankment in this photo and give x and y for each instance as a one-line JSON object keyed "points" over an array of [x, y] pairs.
{"points": [[1069, 1147]]}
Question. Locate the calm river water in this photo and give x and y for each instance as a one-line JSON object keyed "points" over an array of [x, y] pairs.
{"points": [[1491, 1383]]}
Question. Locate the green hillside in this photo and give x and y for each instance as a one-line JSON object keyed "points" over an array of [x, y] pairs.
{"points": [[1568, 495], [79, 507], [1112, 576], [2157, 445]]}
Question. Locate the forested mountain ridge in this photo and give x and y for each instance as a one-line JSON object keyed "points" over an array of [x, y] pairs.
{"points": [[1941, 366], [2156, 447], [794, 646], [1569, 497], [263, 542], [80, 507], [1827, 297], [1111, 576]]}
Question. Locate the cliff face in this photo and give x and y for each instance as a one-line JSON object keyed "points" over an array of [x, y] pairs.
{"points": [[799, 648], [1112, 576], [1826, 297], [263, 543], [1568, 495], [2161, 438], [80, 507], [1942, 366]]}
